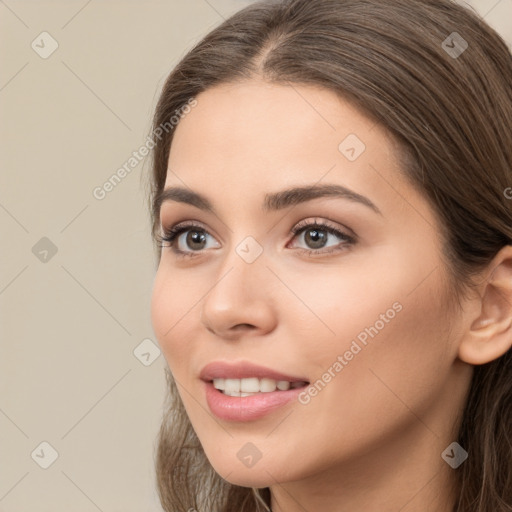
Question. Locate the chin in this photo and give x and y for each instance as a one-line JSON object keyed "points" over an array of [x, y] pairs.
{"points": [[248, 478], [260, 474]]}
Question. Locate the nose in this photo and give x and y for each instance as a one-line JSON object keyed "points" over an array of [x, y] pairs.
{"points": [[240, 300]]}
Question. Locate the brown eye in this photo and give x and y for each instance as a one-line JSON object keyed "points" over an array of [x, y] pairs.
{"points": [[315, 238], [195, 239], [186, 239], [318, 235]]}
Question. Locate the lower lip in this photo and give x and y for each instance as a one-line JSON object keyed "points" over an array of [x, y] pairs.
{"points": [[247, 408]]}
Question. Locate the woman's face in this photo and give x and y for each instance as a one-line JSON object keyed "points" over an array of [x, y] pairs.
{"points": [[354, 305]]}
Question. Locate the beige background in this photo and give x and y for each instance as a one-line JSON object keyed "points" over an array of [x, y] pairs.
{"points": [[71, 321]]}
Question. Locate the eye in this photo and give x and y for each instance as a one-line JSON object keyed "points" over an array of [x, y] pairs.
{"points": [[316, 236], [185, 239], [189, 239]]}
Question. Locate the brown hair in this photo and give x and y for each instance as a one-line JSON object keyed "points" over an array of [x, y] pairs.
{"points": [[451, 115]]}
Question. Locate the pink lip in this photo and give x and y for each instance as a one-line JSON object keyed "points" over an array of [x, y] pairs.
{"points": [[244, 369], [247, 408]]}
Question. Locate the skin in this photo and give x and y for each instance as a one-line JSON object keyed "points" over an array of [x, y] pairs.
{"points": [[372, 438]]}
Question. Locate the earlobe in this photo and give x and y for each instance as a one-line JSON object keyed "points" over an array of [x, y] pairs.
{"points": [[490, 333]]}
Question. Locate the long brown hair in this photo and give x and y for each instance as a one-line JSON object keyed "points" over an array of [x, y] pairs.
{"points": [[438, 78]]}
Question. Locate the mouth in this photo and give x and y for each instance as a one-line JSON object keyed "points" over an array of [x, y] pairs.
{"points": [[250, 386], [244, 391], [246, 377]]}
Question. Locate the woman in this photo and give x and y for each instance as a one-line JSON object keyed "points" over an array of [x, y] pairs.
{"points": [[334, 289]]}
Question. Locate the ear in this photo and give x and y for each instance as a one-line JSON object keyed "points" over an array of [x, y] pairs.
{"points": [[490, 334]]}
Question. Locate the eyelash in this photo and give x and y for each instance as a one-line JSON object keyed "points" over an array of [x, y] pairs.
{"points": [[171, 234]]}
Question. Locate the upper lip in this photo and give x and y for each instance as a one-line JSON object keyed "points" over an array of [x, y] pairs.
{"points": [[241, 370]]}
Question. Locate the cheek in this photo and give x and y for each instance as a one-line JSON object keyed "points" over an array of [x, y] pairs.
{"points": [[388, 317], [161, 307], [169, 309], [391, 352]]}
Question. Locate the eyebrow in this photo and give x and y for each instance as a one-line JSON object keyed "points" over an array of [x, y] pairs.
{"points": [[272, 202]]}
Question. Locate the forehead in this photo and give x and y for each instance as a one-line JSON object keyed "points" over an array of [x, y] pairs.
{"points": [[245, 139], [278, 115], [260, 128]]}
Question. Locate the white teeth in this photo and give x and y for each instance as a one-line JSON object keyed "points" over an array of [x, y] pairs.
{"points": [[283, 385], [218, 383], [232, 385], [267, 385], [253, 385], [250, 385]]}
